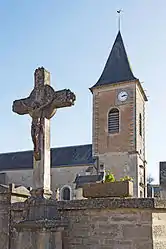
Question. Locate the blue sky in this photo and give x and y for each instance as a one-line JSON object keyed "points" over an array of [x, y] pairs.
{"points": [[72, 39]]}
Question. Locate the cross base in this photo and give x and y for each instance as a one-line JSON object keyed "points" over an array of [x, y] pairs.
{"points": [[41, 193]]}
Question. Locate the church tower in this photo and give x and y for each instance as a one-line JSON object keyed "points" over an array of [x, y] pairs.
{"points": [[119, 119]]}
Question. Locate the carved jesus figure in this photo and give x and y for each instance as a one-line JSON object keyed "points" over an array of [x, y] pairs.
{"points": [[36, 131]]}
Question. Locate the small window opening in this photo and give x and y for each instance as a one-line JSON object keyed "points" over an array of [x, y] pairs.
{"points": [[140, 124]]}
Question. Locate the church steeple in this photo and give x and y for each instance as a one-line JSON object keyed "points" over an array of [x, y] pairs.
{"points": [[118, 124], [117, 68]]}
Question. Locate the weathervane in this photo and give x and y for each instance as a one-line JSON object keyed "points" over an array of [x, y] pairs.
{"points": [[119, 12]]}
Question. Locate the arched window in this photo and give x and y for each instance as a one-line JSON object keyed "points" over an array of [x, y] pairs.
{"points": [[140, 124], [113, 121], [66, 193]]}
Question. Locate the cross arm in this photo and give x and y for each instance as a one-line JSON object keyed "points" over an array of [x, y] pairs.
{"points": [[62, 98], [21, 106]]}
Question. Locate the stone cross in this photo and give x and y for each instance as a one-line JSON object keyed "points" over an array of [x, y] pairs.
{"points": [[41, 105]]}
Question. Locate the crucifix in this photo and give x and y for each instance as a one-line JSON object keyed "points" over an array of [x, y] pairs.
{"points": [[41, 105]]}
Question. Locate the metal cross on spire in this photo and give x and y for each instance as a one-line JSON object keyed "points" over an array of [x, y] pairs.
{"points": [[119, 16]]}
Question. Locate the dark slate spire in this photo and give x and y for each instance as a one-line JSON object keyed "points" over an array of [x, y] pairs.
{"points": [[117, 68]]}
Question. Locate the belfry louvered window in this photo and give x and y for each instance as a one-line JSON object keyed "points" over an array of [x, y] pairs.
{"points": [[113, 121]]}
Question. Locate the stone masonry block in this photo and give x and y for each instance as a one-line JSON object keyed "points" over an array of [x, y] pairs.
{"points": [[159, 244], [159, 231], [142, 244], [137, 231]]}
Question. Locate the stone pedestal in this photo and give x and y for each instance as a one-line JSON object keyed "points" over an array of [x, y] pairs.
{"points": [[39, 235], [42, 227]]}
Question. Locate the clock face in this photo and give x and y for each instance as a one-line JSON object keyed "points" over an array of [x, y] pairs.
{"points": [[122, 96]]}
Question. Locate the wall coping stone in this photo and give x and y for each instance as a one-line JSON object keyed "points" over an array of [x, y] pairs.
{"points": [[99, 203]]}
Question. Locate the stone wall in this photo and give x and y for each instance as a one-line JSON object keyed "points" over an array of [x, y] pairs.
{"points": [[111, 223], [109, 229], [8, 195], [4, 219]]}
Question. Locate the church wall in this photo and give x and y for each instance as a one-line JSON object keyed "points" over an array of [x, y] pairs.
{"points": [[20, 177], [65, 176], [140, 141], [126, 164], [59, 177], [140, 109], [122, 164]]}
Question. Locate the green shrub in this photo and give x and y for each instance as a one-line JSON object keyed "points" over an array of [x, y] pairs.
{"points": [[109, 177], [126, 178]]}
